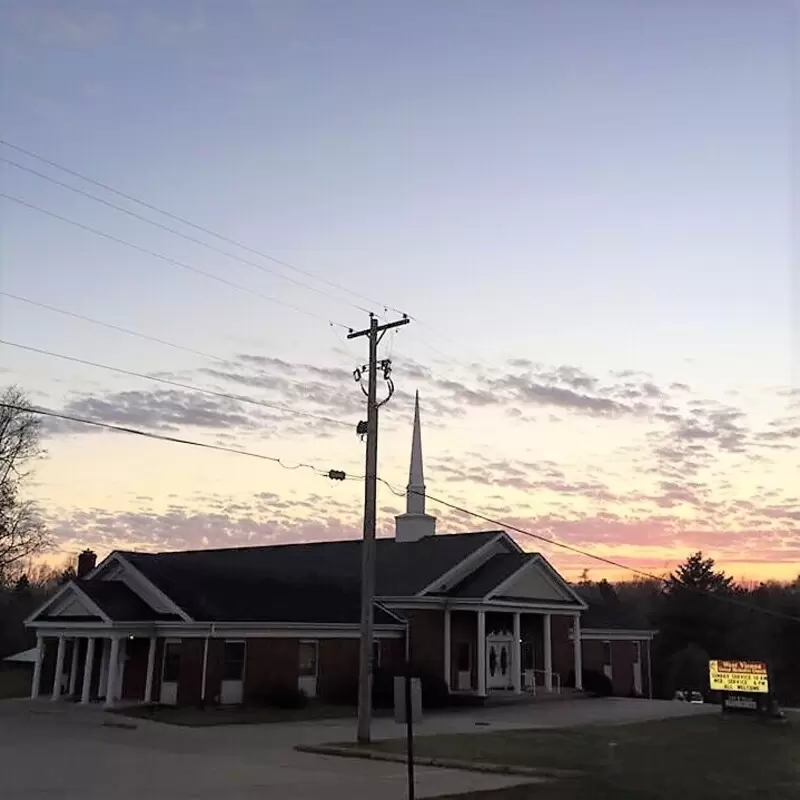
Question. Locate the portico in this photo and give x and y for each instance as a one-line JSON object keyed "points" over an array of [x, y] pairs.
{"points": [[91, 665], [490, 649]]}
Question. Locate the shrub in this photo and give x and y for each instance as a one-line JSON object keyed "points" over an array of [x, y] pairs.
{"points": [[287, 697], [597, 683]]}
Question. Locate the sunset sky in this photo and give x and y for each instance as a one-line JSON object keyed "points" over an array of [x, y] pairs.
{"points": [[585, 207]]}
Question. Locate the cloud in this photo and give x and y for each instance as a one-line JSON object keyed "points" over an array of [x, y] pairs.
{"points": [[158, 410], [56, 23]]}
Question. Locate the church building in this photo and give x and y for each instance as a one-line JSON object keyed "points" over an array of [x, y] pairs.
{"points": [[237, 625]]}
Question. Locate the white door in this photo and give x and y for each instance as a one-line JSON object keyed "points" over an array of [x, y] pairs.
{"points": [[637, 668], [498, 662], [170, 672], [464, 666], [232, 686], [308, 661], [608, 671]]}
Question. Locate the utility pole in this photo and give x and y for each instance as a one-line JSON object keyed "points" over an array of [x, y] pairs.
{"points": [[374, 335]]}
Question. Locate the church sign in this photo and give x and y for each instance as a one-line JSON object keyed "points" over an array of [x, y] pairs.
{"points": [[741, 677]]}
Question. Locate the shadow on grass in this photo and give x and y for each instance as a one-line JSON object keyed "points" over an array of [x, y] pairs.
{"points": [[696, 758], [233, 715]]}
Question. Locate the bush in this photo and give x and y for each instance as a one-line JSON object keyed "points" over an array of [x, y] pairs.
{"points": [[597, 683], [435, 693], [287, 697]]}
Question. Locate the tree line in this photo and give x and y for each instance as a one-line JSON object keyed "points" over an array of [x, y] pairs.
{"points": [[700, 613]]}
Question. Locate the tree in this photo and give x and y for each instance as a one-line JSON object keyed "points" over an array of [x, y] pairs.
{"points": [[22, 533]]}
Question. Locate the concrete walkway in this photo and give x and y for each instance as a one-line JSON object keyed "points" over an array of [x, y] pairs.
{"points": [[67, 753]]}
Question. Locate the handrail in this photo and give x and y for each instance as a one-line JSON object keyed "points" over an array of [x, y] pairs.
{"points": [[556, 680]]}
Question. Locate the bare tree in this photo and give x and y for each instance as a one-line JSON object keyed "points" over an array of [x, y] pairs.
{"points": [[22, 532]]}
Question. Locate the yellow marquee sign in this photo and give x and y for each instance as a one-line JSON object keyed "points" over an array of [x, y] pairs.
{"points": [[739, 676]]}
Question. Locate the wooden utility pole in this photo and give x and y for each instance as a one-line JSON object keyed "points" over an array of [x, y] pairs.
{"points": [[374, 334]]}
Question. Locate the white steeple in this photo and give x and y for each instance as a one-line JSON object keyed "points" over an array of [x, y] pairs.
{"points": [[415, 523]]}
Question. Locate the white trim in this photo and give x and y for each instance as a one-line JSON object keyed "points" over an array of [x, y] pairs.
{"points": [[61, 595], [150, 585], [615, 635], [472, 604], [536, 560], [475, 555]]}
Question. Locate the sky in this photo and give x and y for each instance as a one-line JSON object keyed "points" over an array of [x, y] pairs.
{"points": [[587, 209]]}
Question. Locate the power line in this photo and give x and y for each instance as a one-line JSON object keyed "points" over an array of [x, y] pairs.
{"points": [[168, 260], [164, 438], [585, 553], [191, 224], [176, 232], [113, 327], [178, 384]]}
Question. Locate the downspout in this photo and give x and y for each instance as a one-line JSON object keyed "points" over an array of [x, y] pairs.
{"points": [[205, 668]]}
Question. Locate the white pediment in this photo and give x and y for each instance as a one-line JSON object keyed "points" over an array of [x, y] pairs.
{"points": [[537, 581], [70, 603]]}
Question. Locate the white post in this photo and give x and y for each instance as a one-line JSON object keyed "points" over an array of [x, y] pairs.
{"points": [[73, 667], [482, 653], [86, 688], [576, 645], [151, 665], [548, 654], [37, 667], [516, 655], [59, 673], [113, 670], [649, 673], [448, 649]]}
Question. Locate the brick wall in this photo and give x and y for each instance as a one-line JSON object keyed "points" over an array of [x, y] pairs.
{"points": [[271, 666], [427, 639], [563, 651], [463, 630], [191, 671], [135, 675]]}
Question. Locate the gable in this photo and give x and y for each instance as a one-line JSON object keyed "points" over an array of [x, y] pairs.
{"points": [[69, 604], [117, 568], [537, 581], [533, 584]]}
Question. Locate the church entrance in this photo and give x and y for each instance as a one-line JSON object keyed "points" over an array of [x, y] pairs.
{"points": [[498, 661]]}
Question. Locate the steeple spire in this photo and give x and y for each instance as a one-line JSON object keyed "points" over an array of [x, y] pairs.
{"points": [[415, 523], [415, 492]]}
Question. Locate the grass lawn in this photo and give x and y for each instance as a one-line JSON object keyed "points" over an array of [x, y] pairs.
{"points": [[693, 758], [196, 717], [15, 683]]}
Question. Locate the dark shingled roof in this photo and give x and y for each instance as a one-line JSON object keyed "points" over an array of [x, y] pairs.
{"points": [[119, 602], [315, 582], [491, 574]]}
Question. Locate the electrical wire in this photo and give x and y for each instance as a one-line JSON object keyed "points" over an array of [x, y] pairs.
{"points": [[176, 232], [584, 553], [113, 327], [45, 412], [171, 261], [178, 384], [184, 221]]}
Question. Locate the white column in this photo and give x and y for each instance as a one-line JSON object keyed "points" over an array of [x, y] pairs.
{"points": [[86, 688], [37, 667], [516, 655], [548, 654], [102, 689], [73, 667], [576, 644], [59, 673], [482, 653], [649, 673], [113, 671], [448, 647], [151, 665]]}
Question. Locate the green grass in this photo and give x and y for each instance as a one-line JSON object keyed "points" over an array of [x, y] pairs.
{"points": [[695, 758], [15, 683], [200, 718]]}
